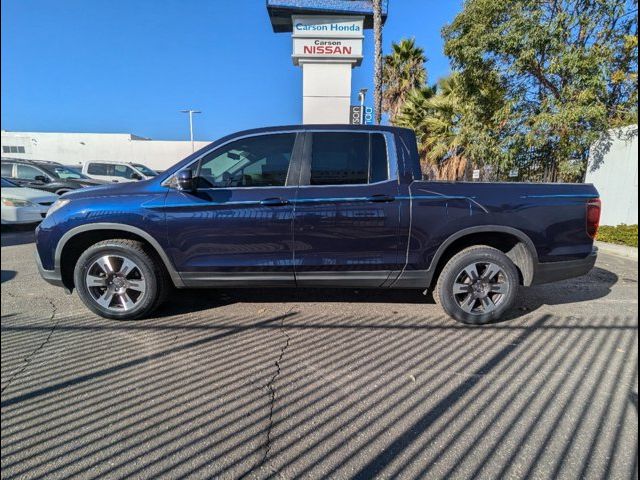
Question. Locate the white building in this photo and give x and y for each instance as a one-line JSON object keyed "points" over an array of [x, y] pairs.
{"points": [[77, 148], [613, 169]]}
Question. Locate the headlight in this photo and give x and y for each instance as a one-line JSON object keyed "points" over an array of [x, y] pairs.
{"points": [[16, 202], [57, 205]]}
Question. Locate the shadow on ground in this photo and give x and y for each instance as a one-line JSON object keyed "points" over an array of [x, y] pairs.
{"points": [[597, 284], [17, 235], [320, 395], [8, 275]]}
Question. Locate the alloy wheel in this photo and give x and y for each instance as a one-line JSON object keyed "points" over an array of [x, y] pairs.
{"points": [[115, 282], [480, 288]]}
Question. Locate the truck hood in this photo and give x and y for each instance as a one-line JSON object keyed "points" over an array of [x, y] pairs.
{"points": [[108, 189]]}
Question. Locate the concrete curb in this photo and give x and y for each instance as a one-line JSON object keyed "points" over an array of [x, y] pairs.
{"points": [[620, 250]]}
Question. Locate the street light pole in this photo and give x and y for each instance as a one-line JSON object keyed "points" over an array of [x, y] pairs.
{"points": [[191, 112]]}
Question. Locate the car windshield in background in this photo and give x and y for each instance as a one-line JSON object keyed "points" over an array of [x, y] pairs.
{"points": [[66, 172], [8, 183], [145, 170]]}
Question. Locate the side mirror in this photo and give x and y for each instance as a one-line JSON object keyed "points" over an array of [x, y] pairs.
{"points": [[41, 178], [185, 180], [136, 176]]}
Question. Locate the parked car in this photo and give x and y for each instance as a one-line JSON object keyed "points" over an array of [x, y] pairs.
{"points": [[117, 171], [50, 176], [23, 205], [316, 206]]}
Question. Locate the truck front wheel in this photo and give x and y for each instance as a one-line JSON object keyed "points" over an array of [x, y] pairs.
{"points": [[477, 285], [119, 279]]}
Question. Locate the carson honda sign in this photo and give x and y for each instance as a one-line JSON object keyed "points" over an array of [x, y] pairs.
{"points": [[325, 37], [327, 26]]}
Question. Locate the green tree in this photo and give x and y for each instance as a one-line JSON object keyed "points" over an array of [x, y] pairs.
{"points": [[403, 71], [569, 68]]}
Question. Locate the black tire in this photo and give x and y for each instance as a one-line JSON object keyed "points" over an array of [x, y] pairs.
{"points": [[147, 271], [478, 301]]}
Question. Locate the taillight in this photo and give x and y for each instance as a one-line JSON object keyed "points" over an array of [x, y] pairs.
{"points": [[594, 207]]}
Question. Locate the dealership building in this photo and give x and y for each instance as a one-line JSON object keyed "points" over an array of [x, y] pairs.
{"points": [[77, 148]]}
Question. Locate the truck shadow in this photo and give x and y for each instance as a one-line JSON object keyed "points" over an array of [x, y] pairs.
{"points": [[8, 275], [17, 235], [597, 284]]}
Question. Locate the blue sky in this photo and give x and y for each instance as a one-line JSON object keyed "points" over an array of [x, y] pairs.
{"points": [[130, 65]]}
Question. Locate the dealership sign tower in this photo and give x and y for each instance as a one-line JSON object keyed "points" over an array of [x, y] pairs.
{"points": [[327, 43]]}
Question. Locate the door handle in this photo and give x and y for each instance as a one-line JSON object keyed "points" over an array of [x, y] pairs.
{"points": [[274, 202], [381, 198]]}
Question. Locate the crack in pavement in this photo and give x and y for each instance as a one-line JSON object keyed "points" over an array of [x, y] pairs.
{"points": [[27, 359], [272, 392]]}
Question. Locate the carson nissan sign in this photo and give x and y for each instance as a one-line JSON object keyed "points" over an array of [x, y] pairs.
{"points": [[317, 47], [318, 37]]}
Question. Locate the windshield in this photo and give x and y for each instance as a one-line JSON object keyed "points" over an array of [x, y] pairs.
{"points": [[66, 172], [7, 183], [146, 171]]}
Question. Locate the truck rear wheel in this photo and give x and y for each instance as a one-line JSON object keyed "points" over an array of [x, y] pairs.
{"points": [[478, 285], [118, 279]]}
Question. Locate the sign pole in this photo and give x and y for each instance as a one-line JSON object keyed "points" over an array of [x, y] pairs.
{"points": [[362, 94]]}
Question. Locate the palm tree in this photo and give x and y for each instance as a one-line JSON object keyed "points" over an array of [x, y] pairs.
{"points": [[435, 117], [403, 71], [459, 125], [377, 68]]}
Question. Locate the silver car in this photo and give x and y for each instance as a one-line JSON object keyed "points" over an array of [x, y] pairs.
{"points": [[24, 205]]}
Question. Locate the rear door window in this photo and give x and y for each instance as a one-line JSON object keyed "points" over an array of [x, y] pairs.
{"points": [[98, 169], [7, 169], [347, 158], [27, 172], [123, 171], [379, 165]]}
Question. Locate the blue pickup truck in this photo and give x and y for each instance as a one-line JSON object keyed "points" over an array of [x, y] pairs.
{"points": [[315, 206]]}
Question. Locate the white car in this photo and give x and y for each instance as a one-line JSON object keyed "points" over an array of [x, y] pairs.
{"points": [[117, 171], [24, 205]]}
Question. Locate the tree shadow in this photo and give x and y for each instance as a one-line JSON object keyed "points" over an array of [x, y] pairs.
{"points": [[601, 148]]}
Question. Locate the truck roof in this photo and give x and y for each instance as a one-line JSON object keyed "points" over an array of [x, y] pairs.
{"points": [[327, 126], [315, 127]]}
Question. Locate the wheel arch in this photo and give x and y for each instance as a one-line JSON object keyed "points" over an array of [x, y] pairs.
{"points": [[72, 242], [511, 241]]}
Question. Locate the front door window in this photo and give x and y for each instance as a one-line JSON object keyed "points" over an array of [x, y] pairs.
{"points": [[261, 161]]}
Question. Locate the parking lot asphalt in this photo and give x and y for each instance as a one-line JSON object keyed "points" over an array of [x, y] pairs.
{"points": [[320, 384]]}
